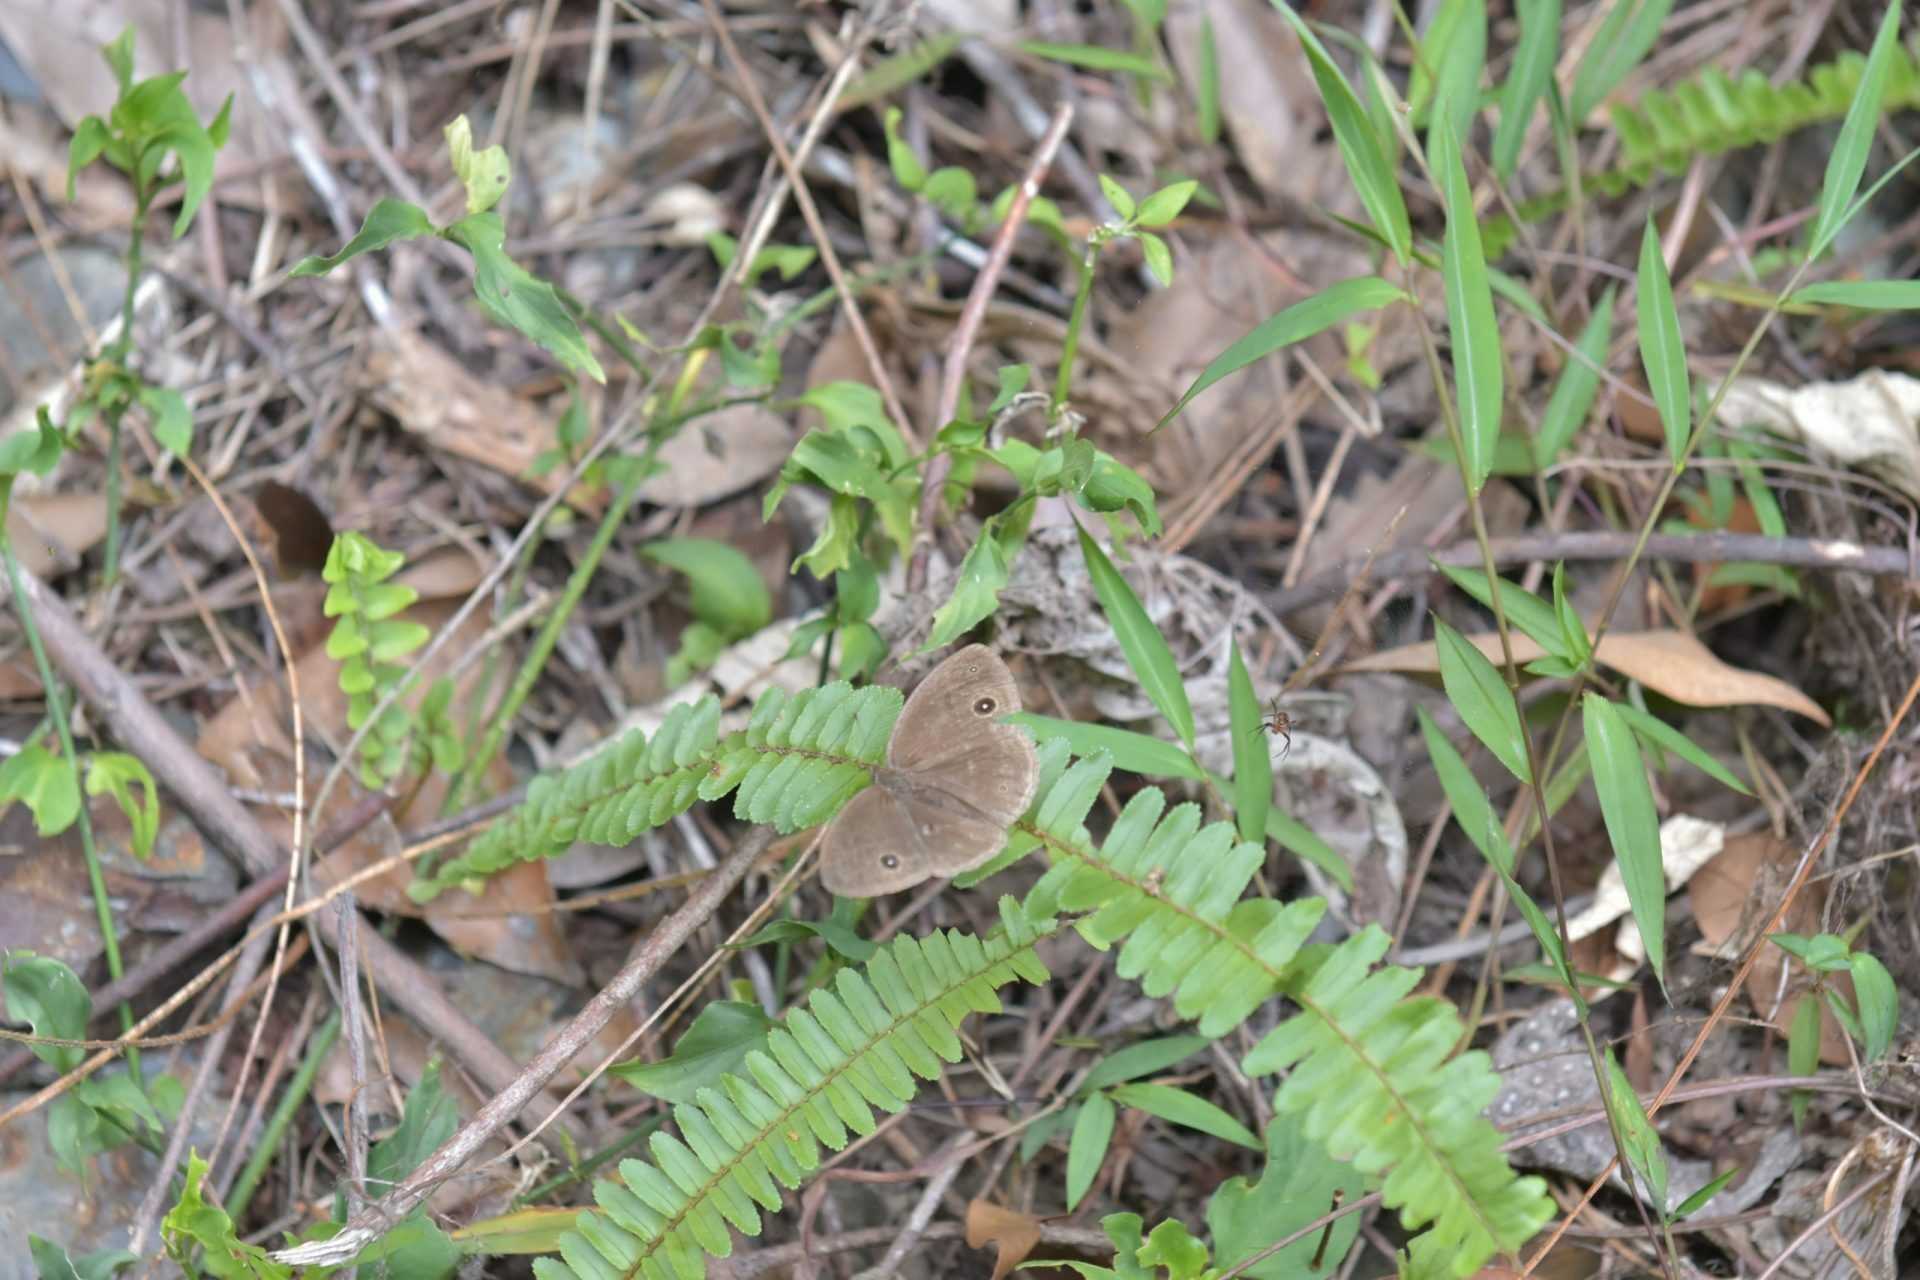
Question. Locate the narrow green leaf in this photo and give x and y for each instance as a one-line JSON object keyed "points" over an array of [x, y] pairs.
{"points": [[1478, 371], [1629, 31], [1324, 310], [1360, 147], [1626, 803], [1524, 610], [1177, 1106], [1663, 735], [1878, 1000], [1698, 1200], [1134, 752], [1662, 354], [721, 1037], [1803, 1051], [1142, 1059], [1482, 698], [1849, 156], [1087, 1149], [387, 221], [1141, 641], [1290, 834], [1460, 56], [1533, 60], [1579, 644], [1639, 1141], [1095, 58], [1477, 818], [1862, 295], [1573, 394], [1252, 753], [1207, 92]]}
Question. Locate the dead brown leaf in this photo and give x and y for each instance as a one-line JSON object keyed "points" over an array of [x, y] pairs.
{"points": [[1012, 1233], [1671, 663], [51, 531]]}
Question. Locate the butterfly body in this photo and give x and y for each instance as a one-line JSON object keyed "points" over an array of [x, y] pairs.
{"points": [[954, 781]]}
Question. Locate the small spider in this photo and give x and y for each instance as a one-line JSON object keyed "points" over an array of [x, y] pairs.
{"points": [[1279, 722]]}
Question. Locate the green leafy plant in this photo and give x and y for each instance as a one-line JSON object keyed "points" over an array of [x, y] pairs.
{"points": [[368, 641]]}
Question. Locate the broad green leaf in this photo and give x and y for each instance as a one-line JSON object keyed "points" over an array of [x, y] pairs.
{"points": [[1360, 147], [1823, 953], [116, 773], [1119, 197], [1848, 158], [53, 1262], [484, 173], [1135, 752], [1331, 306], [1662, 354], [45, 783], [1087, 1149], [428, 1118], [1482, 699], [1252, 753], [1095, 58], [388, 221], [1177, 1106], [1298, 1183], [1145, 648], [515, 297], [1164, 205], [32, 451], [976, 591], [717, 1043], [1629, 30], [1158, 257], [1878, 1001], [1172, 1246], [1143, 1058], [1478, 370], [1663, 735], [194, 1224], [1640, 1142], [1573, 393], [1863, 295], [728, 593], [1532, 70], [839, 937], [172, 420], [1626, 803], [50, 998]]}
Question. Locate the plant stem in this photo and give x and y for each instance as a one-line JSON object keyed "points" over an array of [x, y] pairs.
{"points": [[268, 1146], [543, 643], [56, 711], [116, 353], [1070, 347]]}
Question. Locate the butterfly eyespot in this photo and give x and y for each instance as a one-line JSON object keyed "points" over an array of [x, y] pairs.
{"points": [[984, 706], [889, 861]]}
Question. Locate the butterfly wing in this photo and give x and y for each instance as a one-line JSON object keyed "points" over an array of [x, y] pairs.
{"points": [[873, 846]]}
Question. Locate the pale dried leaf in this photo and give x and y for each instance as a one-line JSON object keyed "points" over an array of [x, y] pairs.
{"points": [[1671, 663], [1867, 423], [1012, 1233], [1686, 845]]}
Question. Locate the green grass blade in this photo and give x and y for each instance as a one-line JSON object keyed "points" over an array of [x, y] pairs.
{"points": [[1533, 60], [1252, 754], [1482, 698], [1329, 307], [1140, 640], [1849, 157], [1475, 334], [1626, 803], [1662, 354]]}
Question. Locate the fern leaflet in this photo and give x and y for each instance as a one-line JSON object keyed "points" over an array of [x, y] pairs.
{"points": [[1370, 1074], [825, 1071]]}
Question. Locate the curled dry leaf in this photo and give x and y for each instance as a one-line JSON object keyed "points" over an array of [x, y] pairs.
{"points": [[1012, 1233], [1671, 663], [1867, 423]]}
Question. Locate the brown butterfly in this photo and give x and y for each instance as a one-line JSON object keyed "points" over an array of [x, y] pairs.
{"points": [[954, 781]]}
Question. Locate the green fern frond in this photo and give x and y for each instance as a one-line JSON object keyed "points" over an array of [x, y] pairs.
{"points": [[825, 1071], [633, 785], [796, 763], [802, 756], [1370, 1070], [1664, 130]]}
